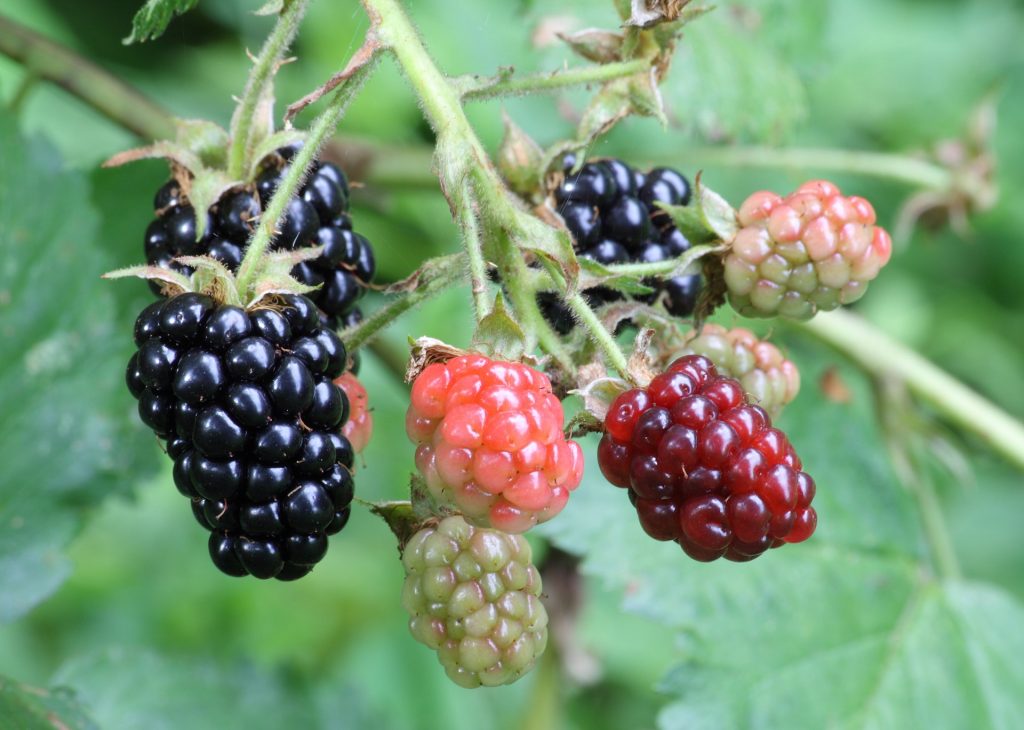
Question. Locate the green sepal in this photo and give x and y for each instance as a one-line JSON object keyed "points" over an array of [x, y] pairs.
{"points": [[519, 161], [708, 217], [498, 335]]}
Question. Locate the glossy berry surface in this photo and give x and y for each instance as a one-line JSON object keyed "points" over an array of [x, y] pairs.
{"points": [[317, 216], [254, 422], [704, 467], [813, 250], [359, 426], [489, 441], [769, 379], [473, 596], [611, 211]]}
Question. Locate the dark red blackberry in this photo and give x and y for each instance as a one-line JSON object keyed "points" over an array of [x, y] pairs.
{"points": [[317, 216], [252, 418], [609, 208], [704, 467]]}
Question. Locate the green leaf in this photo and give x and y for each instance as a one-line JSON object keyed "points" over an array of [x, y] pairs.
{"points": [[152, 18], [851, 629], [68, 436], [30, 708], [125, 688], [734, 74]]}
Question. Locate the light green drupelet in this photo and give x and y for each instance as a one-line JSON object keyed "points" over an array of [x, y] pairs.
{"points": [[473, 595]]}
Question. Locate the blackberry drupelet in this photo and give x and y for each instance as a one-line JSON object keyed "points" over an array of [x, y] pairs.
{"points": [[317, 216], [253, 420]]}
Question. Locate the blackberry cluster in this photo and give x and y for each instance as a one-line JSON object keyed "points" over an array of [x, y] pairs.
{"points": [[473, 596], [704, 467], [251, 417], [317, 216], [609, 208]]}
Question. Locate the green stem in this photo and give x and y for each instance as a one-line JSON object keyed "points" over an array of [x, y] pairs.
{"points": [[21, 93], [465, 215], [81, 77], [450, 270], [910, 170], [475, 88], [262, 74], [524, 301], [880, 355], [296, 172], [600, 334]]}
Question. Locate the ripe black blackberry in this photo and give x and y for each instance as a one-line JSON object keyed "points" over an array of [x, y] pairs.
{"points": [[318, 215], [252, 418], [609, 208]]}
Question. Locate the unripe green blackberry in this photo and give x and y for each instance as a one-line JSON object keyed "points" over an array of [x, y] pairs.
{"points": [[766, 375], [473, 596], [812, 250]]}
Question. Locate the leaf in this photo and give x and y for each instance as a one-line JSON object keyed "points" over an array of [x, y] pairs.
{"points": [[30, 708], [69, 436], [152, 19], [736, 73], [140, 689], [851, 629]]}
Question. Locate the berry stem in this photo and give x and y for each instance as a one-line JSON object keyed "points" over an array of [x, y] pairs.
{"points": [[524, 301], [262, 74], [905, 169], [449, 270], [296, 172], [880, 355], [465, 216], [477, 88], [81, 77], [600, 334]]}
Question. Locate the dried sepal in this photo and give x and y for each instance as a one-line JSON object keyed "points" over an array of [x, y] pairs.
{"points": [[426, 351], [593, 44]]}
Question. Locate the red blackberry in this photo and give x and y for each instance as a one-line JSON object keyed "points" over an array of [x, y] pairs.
{"points": [[705, 468], [489, 440], [359, 426], [317, 216], [610, 210], [252, 418]]}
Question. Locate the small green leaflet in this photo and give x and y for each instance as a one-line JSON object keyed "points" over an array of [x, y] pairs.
{"points": [[152, 19]]}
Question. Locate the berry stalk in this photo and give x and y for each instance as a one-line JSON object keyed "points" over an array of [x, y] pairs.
{"points": [[296, 172], [476, 89], [909, 170], [449, 271], [880, 355], [263, 70]]}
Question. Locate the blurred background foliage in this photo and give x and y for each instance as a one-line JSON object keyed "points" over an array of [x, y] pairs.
{"points": [[105, 587]]}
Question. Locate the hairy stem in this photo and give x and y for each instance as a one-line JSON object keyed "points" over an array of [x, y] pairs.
{"points": [[465, 214], [909, 170], [260, 77], [476, 88], [449, 270], [296, 172], [81, 77], [600, 334], [880, 355]]}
